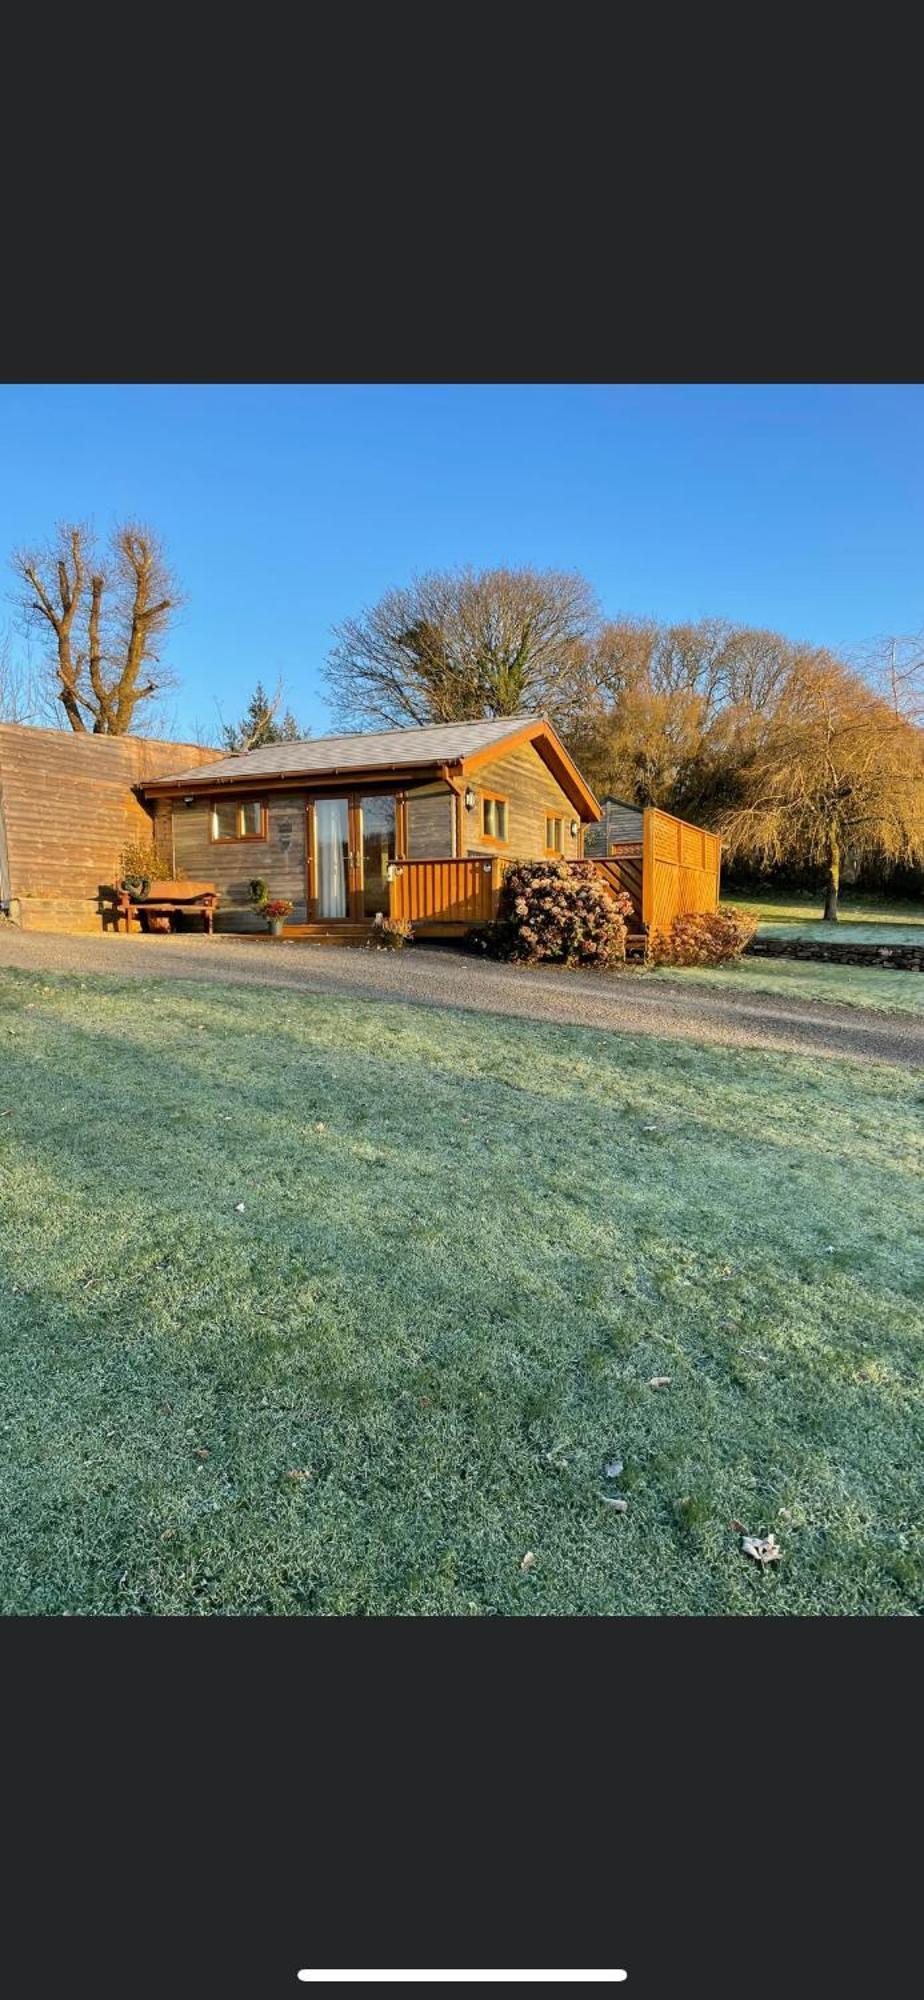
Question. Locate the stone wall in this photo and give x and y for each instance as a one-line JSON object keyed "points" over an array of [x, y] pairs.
{"points": [[897, 957]]}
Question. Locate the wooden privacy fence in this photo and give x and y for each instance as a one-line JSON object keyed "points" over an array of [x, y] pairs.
{"points": [[672, 871], [447, 893], [680, 869]]}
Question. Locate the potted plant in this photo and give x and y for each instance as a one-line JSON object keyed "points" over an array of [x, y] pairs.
{"points": [[276, 909], [395, 932]]}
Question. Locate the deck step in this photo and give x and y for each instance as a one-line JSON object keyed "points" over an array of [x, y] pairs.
{"points": [[316, 934]]}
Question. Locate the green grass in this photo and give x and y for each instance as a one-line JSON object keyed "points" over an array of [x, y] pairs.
{"points": [[844, 985], [467, 1244], [862, 918]]}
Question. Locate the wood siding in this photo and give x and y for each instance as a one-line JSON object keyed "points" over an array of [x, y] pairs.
{"points": [[619, 823], [430, 822], [233, 865], [68, 808], [532, 792]]}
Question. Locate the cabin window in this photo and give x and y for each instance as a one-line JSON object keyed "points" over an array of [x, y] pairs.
{"points": [[554, 835], [493, 817], [238, 819]]}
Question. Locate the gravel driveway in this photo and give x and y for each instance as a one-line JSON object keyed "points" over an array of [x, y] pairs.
{"points": [[436, 976]]}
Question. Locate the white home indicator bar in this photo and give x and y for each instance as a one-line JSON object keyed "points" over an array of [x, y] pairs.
{"points": [[347, 1978]]}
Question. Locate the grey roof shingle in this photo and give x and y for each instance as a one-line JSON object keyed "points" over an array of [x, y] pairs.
{"points": [[435, 743]]}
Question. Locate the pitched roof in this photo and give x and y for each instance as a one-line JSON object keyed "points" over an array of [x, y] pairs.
{"points": [[367, 750], [388, 750]]}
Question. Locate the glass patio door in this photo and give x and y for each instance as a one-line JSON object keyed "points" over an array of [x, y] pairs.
{"points": [[375, 845], [333, 859], [352, 844]]}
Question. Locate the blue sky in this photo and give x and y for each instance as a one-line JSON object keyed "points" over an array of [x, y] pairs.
{"points": [[286, 508]]}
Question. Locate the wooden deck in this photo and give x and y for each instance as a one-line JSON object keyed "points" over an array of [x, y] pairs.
{"points": [[677, 868], [443, 899]]}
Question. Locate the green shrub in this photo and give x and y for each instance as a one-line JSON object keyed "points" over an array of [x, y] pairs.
{"points": [[705, 940], [559, 913]]}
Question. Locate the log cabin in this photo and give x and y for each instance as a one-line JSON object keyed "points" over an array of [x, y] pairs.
{"points": [[414, 823]]}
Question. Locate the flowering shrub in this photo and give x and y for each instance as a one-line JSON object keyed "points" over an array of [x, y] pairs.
{"points": [[560, 913], [705, 940]]}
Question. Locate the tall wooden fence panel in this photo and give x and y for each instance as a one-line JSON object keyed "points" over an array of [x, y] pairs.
{"points": [[680, 869], [69, 805]]}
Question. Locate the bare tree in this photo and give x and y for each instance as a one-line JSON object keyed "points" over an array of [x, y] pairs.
{"points": [[835, 771], [20, 695], [103, 621], [454, 645], [895, 665]]}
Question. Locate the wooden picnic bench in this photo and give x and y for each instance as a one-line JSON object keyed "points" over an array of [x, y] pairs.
{"points": [[167, 899]]}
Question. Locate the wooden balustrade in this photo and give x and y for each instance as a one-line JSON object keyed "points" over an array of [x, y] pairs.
{"points": [[446, 895]]}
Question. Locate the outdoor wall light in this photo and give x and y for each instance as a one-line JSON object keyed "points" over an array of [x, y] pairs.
{"points": [[191, 800], [574, 829], [469, 799]]}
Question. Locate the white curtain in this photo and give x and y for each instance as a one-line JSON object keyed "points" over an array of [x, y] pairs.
{"points": [[331, 831]]}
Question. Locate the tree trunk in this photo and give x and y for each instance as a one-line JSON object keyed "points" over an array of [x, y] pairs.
{"points": [[833, 884]]}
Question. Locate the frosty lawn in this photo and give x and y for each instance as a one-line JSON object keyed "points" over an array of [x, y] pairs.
{"points": [[886, 991], [467, 1244]]}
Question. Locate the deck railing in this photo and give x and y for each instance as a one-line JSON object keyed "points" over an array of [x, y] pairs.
{"points": [[620, 873], [446, 892]]}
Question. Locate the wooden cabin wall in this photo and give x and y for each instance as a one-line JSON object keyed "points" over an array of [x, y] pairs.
{"points": [[430, 823], [532, 792], [278, 860], [619, 824]]}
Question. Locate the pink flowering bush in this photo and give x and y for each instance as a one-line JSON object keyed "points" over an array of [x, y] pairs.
{"points": [[560, 913]]}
